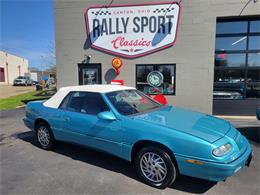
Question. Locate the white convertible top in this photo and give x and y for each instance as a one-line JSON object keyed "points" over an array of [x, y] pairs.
{"points": [[56, 99]]}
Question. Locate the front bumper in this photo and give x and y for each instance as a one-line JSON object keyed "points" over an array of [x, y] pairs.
{"points": [[214, 171], [18, 83]]}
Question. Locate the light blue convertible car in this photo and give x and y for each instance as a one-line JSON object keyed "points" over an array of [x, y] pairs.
{"points": [[162, 141]]}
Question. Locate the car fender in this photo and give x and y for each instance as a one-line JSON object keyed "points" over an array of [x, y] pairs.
{"points": [[180, 143]]}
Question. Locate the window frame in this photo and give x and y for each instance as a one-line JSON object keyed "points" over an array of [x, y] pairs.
{"points": [[154, 69], [69, 96], [247, 34], [247, 51], [82, 66]]}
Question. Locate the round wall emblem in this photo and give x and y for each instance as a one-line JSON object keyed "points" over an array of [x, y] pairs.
{"points": [[117, 63], [155, 78]]}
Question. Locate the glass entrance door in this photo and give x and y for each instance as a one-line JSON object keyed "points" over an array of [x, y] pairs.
{"points": [[89, 74]]}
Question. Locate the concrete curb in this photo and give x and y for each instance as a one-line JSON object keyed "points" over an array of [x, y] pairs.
{"points": [[20, 106], [237, 117]]}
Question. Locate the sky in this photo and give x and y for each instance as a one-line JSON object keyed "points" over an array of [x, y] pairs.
{"points": [[27, 30]]}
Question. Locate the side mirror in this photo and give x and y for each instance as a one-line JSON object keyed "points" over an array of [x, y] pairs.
{"points": [[107, 115]]}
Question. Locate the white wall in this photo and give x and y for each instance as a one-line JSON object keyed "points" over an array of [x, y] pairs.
{"points": [[12, 71]]}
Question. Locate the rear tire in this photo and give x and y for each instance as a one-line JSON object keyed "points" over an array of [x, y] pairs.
{"points": [[155, 167], [44, 136]]}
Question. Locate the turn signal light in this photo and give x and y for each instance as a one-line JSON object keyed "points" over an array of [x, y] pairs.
{"points": [[195, 162]]}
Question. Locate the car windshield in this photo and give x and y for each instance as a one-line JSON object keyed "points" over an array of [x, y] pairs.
{"points": [[128, 102], [21, 77]]}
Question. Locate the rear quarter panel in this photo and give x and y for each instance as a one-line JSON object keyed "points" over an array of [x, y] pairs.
{"points": [[36, 110]]}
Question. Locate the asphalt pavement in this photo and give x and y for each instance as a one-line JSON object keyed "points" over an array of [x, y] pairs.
{"points": [[69, 169]]}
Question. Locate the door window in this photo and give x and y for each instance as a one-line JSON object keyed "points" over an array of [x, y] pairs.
{"points": [[84, 102]]}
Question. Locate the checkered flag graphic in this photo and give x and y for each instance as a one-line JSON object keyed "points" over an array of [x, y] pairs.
{"points": [[101, 13], [163, 10]]}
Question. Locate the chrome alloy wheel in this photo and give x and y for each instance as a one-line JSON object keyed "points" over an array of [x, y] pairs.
{"points": [[43, 136], [153, 167]]}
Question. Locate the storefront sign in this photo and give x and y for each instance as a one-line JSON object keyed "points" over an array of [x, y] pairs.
{"points": [[155, 78], [132, 30]]}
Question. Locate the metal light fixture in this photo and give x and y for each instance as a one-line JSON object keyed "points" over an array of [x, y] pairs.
{"points": [[86, 59]]}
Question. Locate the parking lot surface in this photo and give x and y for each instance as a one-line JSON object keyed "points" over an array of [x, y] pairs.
{"points": [[70, 169], [9, 90]]}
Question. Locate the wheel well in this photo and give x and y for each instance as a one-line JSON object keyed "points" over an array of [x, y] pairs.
{"points": [[39, 120], [140, 144]]}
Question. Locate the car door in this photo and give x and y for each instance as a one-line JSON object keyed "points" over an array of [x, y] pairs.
{"points": [[82, 125], [71, 120]]}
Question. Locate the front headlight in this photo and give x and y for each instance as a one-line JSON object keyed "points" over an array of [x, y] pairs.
{"points": [[222, 150]]}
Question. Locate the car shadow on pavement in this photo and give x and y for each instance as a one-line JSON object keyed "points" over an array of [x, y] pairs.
{"points": [[112, 163], [251, 133]]}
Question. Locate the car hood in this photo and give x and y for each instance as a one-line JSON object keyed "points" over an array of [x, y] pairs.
{"points": [[206, 127]]}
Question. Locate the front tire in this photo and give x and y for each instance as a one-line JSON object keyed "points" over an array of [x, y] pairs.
{"points": [[44, 136], [155, 167]]}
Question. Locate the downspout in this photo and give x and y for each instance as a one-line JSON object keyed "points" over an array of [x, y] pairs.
{"points": [[7, 73], [19, 67]]}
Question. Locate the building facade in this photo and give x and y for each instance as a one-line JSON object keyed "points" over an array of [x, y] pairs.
{"points": [[11, 67], [211, 54], [40, 75]]}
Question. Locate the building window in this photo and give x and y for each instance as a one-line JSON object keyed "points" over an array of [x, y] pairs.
{"points": [[237, 58], [2, 75], [90, 74], [167, 86]]}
